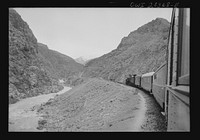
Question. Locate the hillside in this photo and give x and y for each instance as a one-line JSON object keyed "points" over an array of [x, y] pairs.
{"points": [[99, 105], [60, 65], [143, 50], [94, 105], [33, 68]]}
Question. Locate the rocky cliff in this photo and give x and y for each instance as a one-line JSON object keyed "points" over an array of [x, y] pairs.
{"points": [[143, 50], [33, 68]]}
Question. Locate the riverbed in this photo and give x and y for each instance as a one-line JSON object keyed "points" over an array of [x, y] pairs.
{"points": [[23, 115]]}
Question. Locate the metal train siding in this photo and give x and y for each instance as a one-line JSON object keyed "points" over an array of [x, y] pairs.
{"points": [[159, 83], [147, 81], [138, 81]]}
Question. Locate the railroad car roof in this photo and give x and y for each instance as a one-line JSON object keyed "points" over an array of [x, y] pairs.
{"points": [[148, 74]]}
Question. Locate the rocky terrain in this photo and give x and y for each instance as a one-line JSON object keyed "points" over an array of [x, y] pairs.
{"points": [[33, 68], [142, 51], [100, 105], [96, 102], [92, 105], [154, 121], [59, 64]]}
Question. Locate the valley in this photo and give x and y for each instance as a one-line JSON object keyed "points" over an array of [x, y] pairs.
{"points": [[52, 92]]}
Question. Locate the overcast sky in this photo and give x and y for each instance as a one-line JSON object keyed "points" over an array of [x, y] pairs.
{"points": [[87, 32]]}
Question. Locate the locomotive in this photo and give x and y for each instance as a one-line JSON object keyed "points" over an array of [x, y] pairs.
{"points": [[170, 83]]}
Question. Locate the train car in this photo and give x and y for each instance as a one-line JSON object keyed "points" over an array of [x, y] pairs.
{"points": [[159, 83], [177, 94], [146, 81], [128, 81], [131, 80], [137, 80]]}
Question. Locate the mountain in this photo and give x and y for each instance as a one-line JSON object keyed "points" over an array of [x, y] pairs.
{"points": [[60, 65], [143, 50], [33, 68], [81, 60]]}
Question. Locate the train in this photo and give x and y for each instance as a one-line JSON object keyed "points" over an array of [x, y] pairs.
{"points": [[170, 83]]}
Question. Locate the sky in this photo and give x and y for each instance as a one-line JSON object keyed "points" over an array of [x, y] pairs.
{"points": [[87, 32]]}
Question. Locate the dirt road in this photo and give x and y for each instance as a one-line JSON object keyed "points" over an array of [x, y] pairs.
{"points": [[23, 115]]}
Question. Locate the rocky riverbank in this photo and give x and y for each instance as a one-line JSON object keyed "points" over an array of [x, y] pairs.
{"points": [[23, 115]]}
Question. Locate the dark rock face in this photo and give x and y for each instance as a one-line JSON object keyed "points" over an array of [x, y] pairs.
{"points": [[27, 74], [143, 50]]}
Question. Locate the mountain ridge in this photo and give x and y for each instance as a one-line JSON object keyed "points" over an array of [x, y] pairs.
{"points": [[62, 64], [143, 50]]}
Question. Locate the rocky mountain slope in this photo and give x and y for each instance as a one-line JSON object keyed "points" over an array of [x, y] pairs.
{"points": [[33, 69], [143, 50], [58, 64]]}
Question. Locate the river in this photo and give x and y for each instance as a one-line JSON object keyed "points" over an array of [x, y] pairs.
{"points": [[23, 115]]}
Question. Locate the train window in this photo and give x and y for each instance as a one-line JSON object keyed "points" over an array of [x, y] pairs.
{"points": [[184, 47]]}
